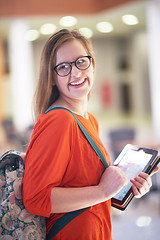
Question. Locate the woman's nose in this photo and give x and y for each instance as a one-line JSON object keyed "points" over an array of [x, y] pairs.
{"points": [[75, 71]]}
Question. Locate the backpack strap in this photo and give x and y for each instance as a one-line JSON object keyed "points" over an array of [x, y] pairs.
{"points": [[88, 137], [63, 221], [66, 218]]}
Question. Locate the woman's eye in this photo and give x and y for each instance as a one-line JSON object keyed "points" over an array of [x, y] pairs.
{"points": [[81, 62], [63, 67]]}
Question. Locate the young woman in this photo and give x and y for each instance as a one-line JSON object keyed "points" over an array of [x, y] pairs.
{"points": [[62, 171]]}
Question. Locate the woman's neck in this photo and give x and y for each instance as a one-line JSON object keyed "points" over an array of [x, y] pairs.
{"points": [[76, 106]]}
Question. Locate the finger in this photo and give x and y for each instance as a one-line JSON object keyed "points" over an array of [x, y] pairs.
{"points": [[141, 184], [139, 189], [144, 178], [136, 192], [143, 175], [138, 185]]}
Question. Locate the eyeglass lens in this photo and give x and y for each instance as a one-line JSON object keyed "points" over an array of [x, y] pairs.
{"points": [[81, 63]]}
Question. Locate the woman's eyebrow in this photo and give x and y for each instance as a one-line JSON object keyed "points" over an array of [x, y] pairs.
{"points": [[72, 60]]}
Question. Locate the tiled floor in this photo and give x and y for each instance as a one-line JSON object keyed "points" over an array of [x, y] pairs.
{"points": [[144, 212]]}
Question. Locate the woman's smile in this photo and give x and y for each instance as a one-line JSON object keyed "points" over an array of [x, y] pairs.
{"points": [[78, 83]]}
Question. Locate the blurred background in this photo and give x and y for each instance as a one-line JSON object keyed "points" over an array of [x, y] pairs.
{"points": [[126, 94]]}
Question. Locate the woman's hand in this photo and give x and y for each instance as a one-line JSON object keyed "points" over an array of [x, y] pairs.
{"points": [[142, 183], [112, 181]]}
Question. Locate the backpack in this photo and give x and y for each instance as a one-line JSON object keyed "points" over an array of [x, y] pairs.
{"points": [[15, 221]]}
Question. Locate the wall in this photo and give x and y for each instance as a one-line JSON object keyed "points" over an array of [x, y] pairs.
{"points": [[118, 62], [133, 53]]}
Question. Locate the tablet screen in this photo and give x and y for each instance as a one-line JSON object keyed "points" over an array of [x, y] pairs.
{"points": [[131, 162]]}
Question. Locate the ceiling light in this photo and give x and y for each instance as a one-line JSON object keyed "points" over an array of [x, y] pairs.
{"points": [[130, 19], [104, 27], [32, 35], [87, 32], [143, 221], [68, 21], [47, 29]]}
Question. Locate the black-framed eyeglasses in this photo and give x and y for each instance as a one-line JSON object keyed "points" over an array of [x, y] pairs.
{"points": [[64, 69]]}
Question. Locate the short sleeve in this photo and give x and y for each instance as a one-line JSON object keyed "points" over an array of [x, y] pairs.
{"points": [[47, 159]]}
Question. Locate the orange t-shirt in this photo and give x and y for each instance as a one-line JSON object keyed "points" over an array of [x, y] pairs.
{"points": [[60, 155]]}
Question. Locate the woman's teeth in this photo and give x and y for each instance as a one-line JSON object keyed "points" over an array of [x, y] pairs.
{"points": [[77, 83]]}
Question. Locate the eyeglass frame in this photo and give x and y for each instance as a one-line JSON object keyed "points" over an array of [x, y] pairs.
{"points": [[70, 64]]}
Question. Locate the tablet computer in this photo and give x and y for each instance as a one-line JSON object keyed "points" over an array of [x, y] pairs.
{"points": [[133, 160]]}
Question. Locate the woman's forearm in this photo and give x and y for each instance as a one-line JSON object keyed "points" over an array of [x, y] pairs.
{"points": [[71, 199]]}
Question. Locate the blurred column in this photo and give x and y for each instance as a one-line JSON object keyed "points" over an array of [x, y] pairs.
{"points": [[153, 29], [21, 66], [2, 107]]}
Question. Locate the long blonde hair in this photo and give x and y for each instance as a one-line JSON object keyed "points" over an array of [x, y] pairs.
{"points": [[46, 94]]}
